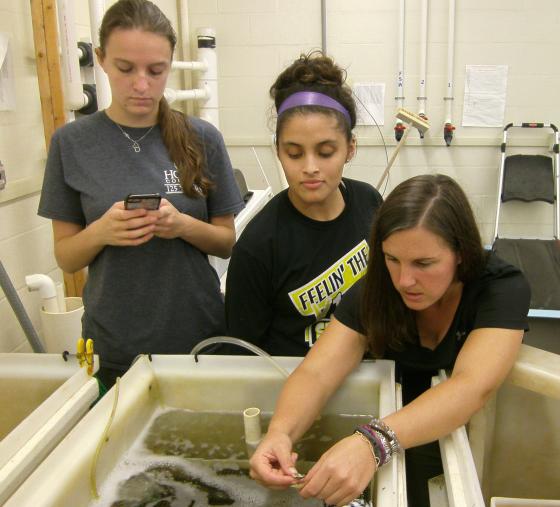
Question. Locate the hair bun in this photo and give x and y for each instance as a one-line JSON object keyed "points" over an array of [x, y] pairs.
{"points": [[316, 68], [314, 71]]}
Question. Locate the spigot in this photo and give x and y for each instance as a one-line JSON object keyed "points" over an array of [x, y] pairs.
{"points": [[85, 354], [448, 133], [424, 117], [399, 130]]}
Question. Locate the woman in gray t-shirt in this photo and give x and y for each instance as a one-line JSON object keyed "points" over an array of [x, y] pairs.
{"points": [[150, 288]]}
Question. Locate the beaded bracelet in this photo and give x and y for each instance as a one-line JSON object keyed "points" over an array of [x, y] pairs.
{"points": [[365, 439]]}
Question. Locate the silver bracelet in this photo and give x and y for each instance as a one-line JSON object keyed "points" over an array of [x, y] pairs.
{"points": [[391, 438]]}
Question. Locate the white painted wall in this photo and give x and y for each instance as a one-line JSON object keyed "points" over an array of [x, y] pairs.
{"points": [[25, 238], [258, 38]]}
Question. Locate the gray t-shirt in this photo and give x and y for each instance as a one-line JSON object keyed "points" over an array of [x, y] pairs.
{"points": [[161, 297]]}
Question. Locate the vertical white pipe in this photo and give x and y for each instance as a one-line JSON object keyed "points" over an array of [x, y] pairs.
{"points": [[103, 90], [74, 97], [557, 167], [324, 26], [399, 97], [400, 71], [50, 305], [209, 78], [185, 30], [500, 186], [60, 299], [252, 425], [185, 39], [279, 169], [423, 57], [450, 62]]}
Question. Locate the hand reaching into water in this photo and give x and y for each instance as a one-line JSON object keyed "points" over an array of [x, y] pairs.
{"points": [[273, 463], [341, 474]]}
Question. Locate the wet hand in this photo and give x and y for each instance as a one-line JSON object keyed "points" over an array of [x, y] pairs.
{"points": [[273, 463], [341, 474]]}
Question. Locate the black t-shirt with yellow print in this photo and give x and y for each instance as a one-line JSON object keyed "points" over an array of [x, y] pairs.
{"points": [[288, 273], [498, 298]]}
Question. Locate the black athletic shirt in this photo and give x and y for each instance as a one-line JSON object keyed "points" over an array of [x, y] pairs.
{"points": [[288, 272], [498, 298]]}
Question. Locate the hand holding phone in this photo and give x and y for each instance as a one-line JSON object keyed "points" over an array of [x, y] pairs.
{"points": [[142, 201]]}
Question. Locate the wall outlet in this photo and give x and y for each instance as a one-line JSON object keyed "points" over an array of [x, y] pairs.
{"points": [[2, 176]]}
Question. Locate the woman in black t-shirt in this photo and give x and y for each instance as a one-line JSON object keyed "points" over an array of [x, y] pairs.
{"points": [[432, 298], [299, 256]]}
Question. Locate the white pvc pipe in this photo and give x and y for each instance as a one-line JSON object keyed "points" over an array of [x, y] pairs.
{"points": [[172, 95], [102, 87], [183, 6], [60, 299], [279, 169], [324, 26], [74, 97], [557, 166], [185, 41], [400, 71], [450, 62], [189, 65], [208, 79], [423, 57], [47, 290], [399, 97], [253, 432]]}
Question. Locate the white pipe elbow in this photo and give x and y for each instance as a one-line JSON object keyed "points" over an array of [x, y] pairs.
{"points": [[76, 97], [47, 290], [43, 283]]}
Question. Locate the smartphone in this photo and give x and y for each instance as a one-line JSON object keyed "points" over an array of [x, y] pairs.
{"points": [[145, 201]]}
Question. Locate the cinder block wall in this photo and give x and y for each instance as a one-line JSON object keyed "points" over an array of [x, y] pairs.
{"points": [[255, 40]]}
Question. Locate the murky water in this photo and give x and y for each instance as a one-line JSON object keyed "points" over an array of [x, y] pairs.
{"points": [[195, 459]]}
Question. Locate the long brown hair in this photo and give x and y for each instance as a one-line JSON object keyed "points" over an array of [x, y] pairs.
{"points": [[314, 72], [179, 137], [437, 203]]}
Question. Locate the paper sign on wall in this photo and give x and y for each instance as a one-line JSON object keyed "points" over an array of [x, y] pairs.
{"points": [[485, 95], [370, 100], [7, 90]]}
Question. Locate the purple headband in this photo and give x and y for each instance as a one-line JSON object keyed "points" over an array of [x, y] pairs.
{"points": [[313, 99]]}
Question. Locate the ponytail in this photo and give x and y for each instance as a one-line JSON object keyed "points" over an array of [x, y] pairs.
{"points": [[185, 150]]}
